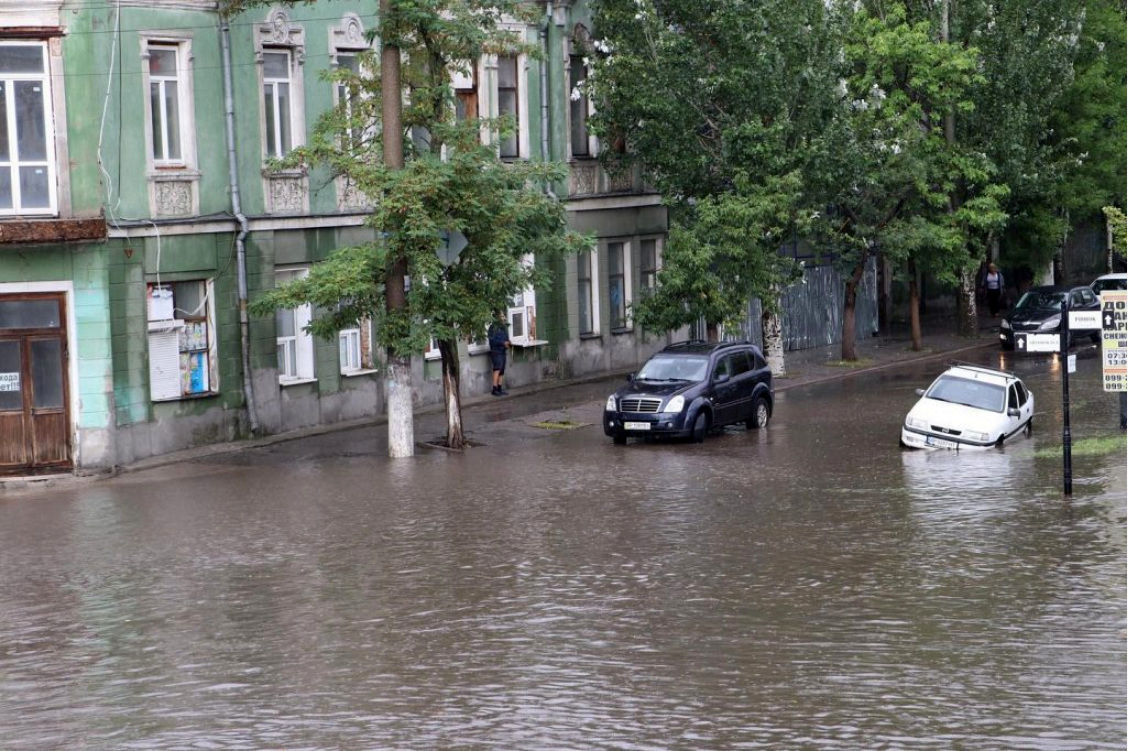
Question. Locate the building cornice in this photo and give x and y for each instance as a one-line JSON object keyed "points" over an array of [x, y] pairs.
{"points": [[604, 203], [213, 226]]}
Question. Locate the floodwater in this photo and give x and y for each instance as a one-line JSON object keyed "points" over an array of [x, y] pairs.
{"points": [[810, 586]]}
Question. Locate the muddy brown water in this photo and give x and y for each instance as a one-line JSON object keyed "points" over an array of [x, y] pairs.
{"points": [[807, 586]]}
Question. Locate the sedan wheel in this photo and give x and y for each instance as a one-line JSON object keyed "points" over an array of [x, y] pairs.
{"points": [[700, 425], [760, 415]]}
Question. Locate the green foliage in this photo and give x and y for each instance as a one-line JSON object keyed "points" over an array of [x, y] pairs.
{"points": [[1116, 223], [450, 183]]}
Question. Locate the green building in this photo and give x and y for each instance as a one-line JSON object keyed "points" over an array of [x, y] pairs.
{"points": [[138, 214]]}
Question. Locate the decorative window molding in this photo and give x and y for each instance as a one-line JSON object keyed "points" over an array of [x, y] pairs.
{"points": [[347, 42], [170, 130], [280, 55]]}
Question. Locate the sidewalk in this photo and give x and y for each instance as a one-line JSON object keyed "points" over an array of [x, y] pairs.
{"points": [[577, 401]]}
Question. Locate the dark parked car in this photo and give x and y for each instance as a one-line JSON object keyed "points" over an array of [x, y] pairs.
{"points": [[690, 387], [1039, 311]]}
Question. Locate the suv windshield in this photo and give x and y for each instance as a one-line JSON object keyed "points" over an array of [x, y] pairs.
{"points": [[969, 393], [668, 368], [1037, 300], [1101, 285]]}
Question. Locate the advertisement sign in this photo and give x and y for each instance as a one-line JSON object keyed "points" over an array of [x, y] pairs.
{"points": [[9, 381], [1114, 340]]}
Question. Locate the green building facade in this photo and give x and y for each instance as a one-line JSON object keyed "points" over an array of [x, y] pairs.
{"points": [[138, 213]]}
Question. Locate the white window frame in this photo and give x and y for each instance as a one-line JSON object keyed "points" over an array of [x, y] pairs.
{"points": [[643, 288], [575, 96], [283, 132], [627, 262], [354, 349], [182, 48], [301, 341], [175, 336], [522, 314], [593, 302], [51, 133], [280, 35], [490, 106]]}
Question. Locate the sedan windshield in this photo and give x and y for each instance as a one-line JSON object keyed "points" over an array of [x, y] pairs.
{"points": [[976, 394], [1040, 300], [665, 368]]}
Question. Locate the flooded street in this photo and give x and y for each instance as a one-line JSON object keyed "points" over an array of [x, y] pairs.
{"points": [[809, 586]]}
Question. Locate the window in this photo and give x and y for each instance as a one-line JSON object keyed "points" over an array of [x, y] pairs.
{"points": [[466, 94], [27, 157], [586, 295], [181, 340], [507, 106], [648, 265], [578, 107], [295, 344], [277, 103], [618, 284], [164, 103], [354, 347]]}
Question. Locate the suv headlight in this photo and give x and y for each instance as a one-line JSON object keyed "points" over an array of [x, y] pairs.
{"points": [[677, 404], [1050, 323], [916, 422], [611, 406]]}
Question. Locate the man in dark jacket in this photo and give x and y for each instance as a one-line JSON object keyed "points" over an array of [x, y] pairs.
{"points": [[499, 342]]}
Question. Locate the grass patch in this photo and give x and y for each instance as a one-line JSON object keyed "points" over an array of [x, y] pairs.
{"points": [[560, 424], [862, 362], [1109, 444]]}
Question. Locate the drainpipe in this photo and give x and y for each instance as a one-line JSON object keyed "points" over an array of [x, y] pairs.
{"points": [[545, 151], [241, 236]]}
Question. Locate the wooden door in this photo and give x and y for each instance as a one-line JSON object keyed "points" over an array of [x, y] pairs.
{"points": [[35, 433]]}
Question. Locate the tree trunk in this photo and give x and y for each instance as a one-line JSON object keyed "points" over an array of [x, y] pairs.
{"points": [[914, 308], [772, 329], [967, 322], [849, 325], [452, 394], [712, 331], [398, 389]]}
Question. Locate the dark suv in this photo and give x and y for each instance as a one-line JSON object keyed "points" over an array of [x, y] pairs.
{"points": [[689, 388]]}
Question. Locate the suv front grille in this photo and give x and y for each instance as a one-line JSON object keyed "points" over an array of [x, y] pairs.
{"points": [[635, 404]]}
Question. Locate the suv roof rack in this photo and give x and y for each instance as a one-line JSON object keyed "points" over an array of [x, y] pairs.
{"points": [[701, 343]]}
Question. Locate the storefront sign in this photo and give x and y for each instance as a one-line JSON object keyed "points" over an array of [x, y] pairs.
{"points": [[1114, 340]]}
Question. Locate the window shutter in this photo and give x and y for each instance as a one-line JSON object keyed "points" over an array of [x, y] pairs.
{"points": [[164, 364]]}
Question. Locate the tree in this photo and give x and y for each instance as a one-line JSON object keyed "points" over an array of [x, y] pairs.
{"points": [[721, 103], [450, 182], [892, 171]]}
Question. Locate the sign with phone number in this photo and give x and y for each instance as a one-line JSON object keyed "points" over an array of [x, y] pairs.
{"points": [[1114, 340]]}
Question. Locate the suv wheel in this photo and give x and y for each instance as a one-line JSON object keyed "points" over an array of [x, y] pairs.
{"points": [[619, 439], [760, 415], [700, 426]]}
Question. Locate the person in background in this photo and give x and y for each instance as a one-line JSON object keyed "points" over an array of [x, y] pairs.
{"points": [[993, 286], [499, 343]]}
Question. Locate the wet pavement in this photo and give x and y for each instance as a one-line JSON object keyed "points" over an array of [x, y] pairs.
{"points": [[806, 586]]}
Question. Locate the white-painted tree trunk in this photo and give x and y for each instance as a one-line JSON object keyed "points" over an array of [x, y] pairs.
{"points": [[772, 330], [398, 391], [968, 325]]}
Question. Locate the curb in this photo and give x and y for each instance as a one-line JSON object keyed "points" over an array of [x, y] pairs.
{"points": [[33, 483]]}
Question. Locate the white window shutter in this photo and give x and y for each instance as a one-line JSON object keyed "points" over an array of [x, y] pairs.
{"points": [[164, 365]]}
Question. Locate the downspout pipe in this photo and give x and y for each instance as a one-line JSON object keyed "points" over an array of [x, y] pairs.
{"points": [[241, 235], [546, 154]]}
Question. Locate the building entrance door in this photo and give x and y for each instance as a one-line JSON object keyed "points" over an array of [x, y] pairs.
{"points": [[34, 415]]}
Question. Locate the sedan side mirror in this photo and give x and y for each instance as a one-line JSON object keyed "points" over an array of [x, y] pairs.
{"points": [[920, 392], [1013, 412]]}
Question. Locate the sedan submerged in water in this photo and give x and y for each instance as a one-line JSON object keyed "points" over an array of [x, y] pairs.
{"points": [[969, 407]]}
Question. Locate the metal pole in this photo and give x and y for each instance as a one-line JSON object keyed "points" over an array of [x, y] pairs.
{"points": [[1066, 436]]}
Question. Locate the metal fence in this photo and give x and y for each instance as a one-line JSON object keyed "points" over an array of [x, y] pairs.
{"points": [[811, 310]]}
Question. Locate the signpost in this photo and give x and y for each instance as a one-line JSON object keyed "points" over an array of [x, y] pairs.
{"points": [[1066, 435]]}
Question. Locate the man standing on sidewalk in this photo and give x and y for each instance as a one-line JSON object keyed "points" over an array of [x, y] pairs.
{"points": [[499, 342]]}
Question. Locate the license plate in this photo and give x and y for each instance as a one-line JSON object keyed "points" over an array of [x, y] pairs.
{"points": [[636, 426], [939, 443]]}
